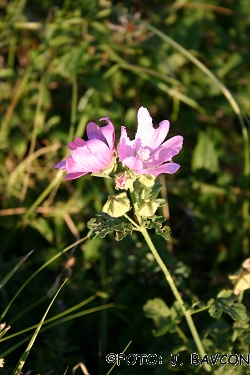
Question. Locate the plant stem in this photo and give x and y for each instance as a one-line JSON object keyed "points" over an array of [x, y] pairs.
{"points": [[177, 295], [171, 283], [136, 226], [135, 204]]}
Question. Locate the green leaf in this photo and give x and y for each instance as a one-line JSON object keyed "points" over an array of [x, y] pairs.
{"points": [[155, 222], [225, 302], [156, 189], [233, 61], [165, 319], [156, 309], [43, 227], [103, 13], [60, 40], [92, 250], [204, 154], [104, 224], [19, 144], [100, 26]]}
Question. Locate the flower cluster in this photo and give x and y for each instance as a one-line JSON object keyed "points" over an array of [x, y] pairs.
{"points": [[147, 154]]}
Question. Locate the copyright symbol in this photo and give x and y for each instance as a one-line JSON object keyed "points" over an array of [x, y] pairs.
{"points": [[111, 358]]}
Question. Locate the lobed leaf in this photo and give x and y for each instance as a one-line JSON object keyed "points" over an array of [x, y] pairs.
{"points": [[104, 224], [225, 302]]}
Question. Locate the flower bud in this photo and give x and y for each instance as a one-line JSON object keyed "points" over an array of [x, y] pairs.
{"points": [[124, 180]]}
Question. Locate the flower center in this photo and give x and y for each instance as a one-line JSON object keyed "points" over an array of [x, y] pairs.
{"points": [[143, 153]]}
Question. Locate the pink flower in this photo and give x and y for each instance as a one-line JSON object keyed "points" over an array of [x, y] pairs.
{"points": [[146, 154], [94, 155]]}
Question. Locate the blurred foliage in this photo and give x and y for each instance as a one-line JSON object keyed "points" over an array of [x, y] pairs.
{"points": [[65, 63]]}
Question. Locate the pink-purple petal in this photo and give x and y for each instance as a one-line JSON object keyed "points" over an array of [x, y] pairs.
{"points": [[61, 165], [100, 150], [174, 143], [108, 132], [72, 166], [146, 154], [167, 168], [125, 146], [148, 135], [133, 163], [94, 132], [94, 157], [78, 142], [165, 152], [73, 176]]}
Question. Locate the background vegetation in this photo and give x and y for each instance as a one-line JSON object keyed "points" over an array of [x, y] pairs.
{"points": [[65, 63]]}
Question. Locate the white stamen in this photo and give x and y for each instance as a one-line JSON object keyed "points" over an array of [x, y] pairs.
{"points": [[143, 153]]}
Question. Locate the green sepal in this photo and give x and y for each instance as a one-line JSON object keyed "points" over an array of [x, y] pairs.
{"points": [[148, 209], [147, 181], [146, 187], [117, 205]]}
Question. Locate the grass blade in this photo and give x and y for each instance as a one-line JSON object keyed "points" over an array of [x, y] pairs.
{"points": [[11, 273], [71, 309], [39, 270], [124, 350], [23, 358], [65, 319]]}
